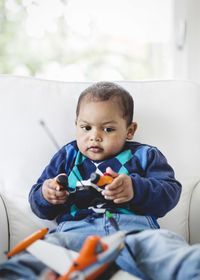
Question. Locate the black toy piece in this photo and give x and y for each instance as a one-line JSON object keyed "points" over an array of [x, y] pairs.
{"points": [[94, 177], [62, 181]]}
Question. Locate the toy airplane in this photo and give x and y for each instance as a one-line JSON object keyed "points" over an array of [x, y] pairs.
{"points": [[95, 181], [93, 259]]}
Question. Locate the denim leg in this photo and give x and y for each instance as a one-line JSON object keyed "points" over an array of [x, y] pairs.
{"points": [[162, 254], [128, 223], [21, 267], [102, 226]]}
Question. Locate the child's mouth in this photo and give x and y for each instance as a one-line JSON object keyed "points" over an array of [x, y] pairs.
{"points": [[95, 149]]}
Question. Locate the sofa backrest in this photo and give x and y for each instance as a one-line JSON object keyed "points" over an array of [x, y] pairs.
{"points": [[34, 110]]}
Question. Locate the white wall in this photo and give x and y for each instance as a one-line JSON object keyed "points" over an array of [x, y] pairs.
{"points": [[187, 55]]}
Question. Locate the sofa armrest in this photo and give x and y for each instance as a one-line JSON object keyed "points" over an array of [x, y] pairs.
{"points": [[4, 229], [194, 221]]}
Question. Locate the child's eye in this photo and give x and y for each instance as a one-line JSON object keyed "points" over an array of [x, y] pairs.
{"points": [[86, 127], [108, 129]]}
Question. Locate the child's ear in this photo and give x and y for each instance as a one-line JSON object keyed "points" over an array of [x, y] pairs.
{"points": [[131, 130]]}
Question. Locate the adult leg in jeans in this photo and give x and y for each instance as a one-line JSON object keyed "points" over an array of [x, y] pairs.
{"points": [[162, 254]]}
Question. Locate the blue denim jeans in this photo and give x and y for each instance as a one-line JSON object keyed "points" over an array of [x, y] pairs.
{"points": [[159, 254]]}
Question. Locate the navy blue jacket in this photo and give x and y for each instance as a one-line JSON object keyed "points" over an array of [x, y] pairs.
{"points": [[156, 191]]}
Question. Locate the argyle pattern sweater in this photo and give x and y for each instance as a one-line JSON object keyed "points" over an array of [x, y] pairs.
{"points": [[156, 191]]}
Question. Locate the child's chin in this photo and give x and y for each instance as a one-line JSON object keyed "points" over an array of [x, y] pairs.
{"points": [[96, 156]]}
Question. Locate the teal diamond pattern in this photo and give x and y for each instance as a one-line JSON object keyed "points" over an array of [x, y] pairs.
{"points": [[124, 156], [123, 170]]}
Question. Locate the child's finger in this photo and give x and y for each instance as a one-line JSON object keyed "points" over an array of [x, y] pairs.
{"points": [[61, 195], [52, 185], [115, 184], [113, 191], [120, 199], [58, 201], [112, 172]]}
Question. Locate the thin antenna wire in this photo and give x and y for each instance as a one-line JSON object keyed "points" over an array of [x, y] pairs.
{"points": [[112, 220], [50, 135]]}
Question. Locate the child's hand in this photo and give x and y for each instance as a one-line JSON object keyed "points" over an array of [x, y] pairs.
{"points": [[121, 189], [52, 192]]}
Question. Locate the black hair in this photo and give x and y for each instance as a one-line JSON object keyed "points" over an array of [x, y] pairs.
{"points": [[102, 91]]}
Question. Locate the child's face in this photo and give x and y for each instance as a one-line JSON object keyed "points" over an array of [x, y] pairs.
{"points": [[101, 130]]}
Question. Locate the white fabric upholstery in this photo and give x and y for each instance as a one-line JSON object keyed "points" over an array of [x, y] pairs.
{"points": [[4, 230], [168, 117], [194, 220]]}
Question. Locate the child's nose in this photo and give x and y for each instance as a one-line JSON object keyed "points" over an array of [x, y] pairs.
{"points": [[96, 136]]}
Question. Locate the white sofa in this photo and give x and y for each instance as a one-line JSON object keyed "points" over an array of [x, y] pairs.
{"points": [[168, 116]]}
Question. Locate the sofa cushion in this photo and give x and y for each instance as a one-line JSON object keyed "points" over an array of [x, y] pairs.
{"points": [[167, 113]]}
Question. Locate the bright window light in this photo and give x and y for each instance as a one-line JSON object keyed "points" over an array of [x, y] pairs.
{"points": [[87, 39]]}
